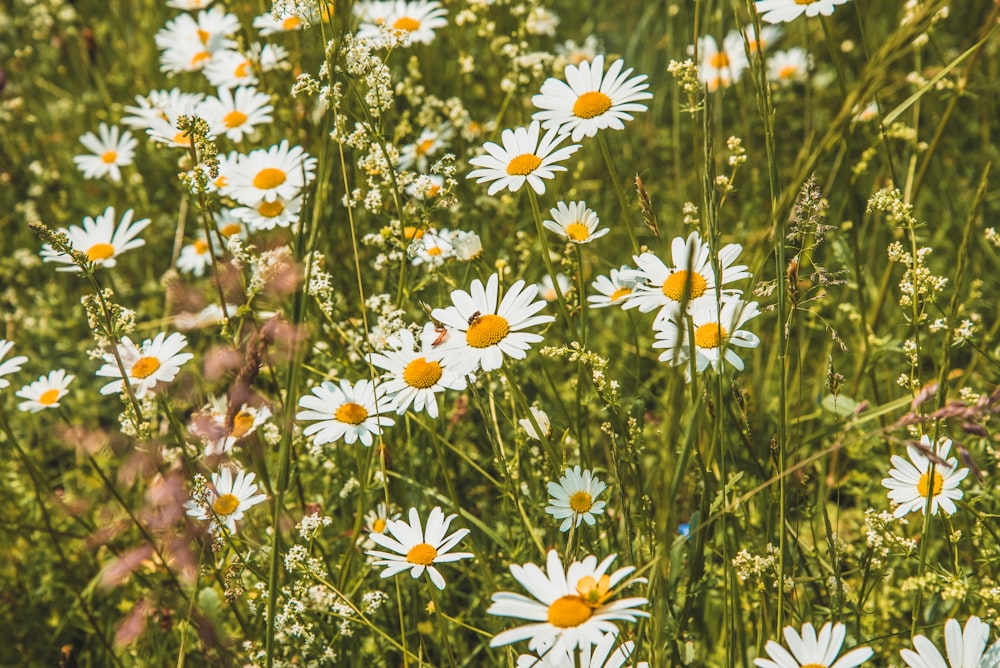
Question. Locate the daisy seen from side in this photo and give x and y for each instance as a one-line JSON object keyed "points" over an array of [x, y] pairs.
{"points": [[809, 650], [717, 332], [418, 549], [911, 482], [264, 175], [345, 411], [523, 158], [110, 150], [227, 500], [782, 11], [157, 361], [964, 648], [574, 498], [575, 222], [12, 365], [541, 419], [101, 239], [46, 392]]}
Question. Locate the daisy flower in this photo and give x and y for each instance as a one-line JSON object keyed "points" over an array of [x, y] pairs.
{"points": [[228, 224], [229, 69], [13, 365], [468, 246], [613, 289], [488, 330], [188, 5], [377, 520], [157, 361], [541, 419], [210, 426], [161, 105], [590, 99], [811, 651], [600, 656], [430, 142], [417, 18], [268, 215], [44, 392], [433, 248], [547, 289], [227, 501], [267, 24], [755, 42], [99, 239], [782, 11], [345, 411], [188, 43], [720, 68], [416, 549], [112, 150], [909, 484], [238, 111], [572, 499], [716, 333], [964, 648], [575, 222], [570, 608], [789, 66], [196, 257], [522, 159], [425, 186], [267, 174]]}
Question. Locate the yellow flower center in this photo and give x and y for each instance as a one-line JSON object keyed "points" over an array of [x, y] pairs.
{"points": [[594, 592], [684, 284], [270, 209], [788, 71], [523, 164], [709, 335], [230, 229], [145, 367], [100, 252], [378, 526], [326, 12], [422, 554], [203, 36], [109, 157], [226, 504], [269, 177], [241, 69], [619, 293], [422, 374], [424, 146], [434, 250], [719, 60], [577, 231], [291, 23], [49, 397], [581, 502], [182, 139], [199, 58], [406, 23], [486, 330], [241, 424], [433, 190], [221, 181], [200, 246], [591, 104], [569, 611], [922, 485], [234, 119], [351, 413]]}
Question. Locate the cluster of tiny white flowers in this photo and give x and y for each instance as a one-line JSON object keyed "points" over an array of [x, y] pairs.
{"points": [[309, 526], [880, 538], [749, 565]]}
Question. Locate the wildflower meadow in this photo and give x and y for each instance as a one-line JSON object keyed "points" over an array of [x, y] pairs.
{"points": [[500, 333]]}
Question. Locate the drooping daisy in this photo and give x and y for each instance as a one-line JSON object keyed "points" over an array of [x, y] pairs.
{"points": [[573, 498], [613, 289], [547, 289], [782, 11], [522, 159], [114, 149], [417, 18], [721, 67], [229, 69], [188, 43], [196, 257], [267, 174], [571, 608], [909, 484], [100, 239], [590, 99], [485, 330], [575, 222], [787, 67], [598, 656], [345, 411], [416, 549], [13, 365], [266, 215], [811, 651], [157, 361], [716, 333], [227, 501], [964, 648], [238, 111], [267, 24], [541, 419], [430, 142], [44, 392]]}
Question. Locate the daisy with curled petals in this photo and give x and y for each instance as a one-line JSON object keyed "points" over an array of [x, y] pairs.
{"points": [[100, 239], [485, 330], [238, 111], [600, 656], [716, 332], [157, 361], [113, 149], [613, 289], [522, 159], [416, 549], [575, 222], [811, 651], [416, 373], [571, 608], [267, 174], [590, 99], [782, 11], [45, 392], [965, 648], [909, 484], [13, 365], [572, 499], [345, 411], [227, 500]]}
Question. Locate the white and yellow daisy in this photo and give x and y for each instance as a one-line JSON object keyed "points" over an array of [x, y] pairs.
{"points": [[788, 67], [220, 439], [228, 224], [613, 289], [416, 549], [570, 609], [433, 248], [430, 142], [227, 501], [768, 35], [909, 484], [349, 412], [486, 328], [425, 186], [266, 215], [377, 519], [189, 43], [467, 244], [267, 174], [112, 150], [782, 11], [575, 222], [416, 372], [811, 651], [716, 333], [160, 104], [100, 239], [721, 67], [541, 419], [238, 111], [573, 498], [522, 159], [590, 99], [229, 69], [417, 18], [547, 289], [13, 365], [571, 53], [598, 656], [267, 24], [196, 257], [45, 392], [189, 5], [965, 648], [157, 361]]}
